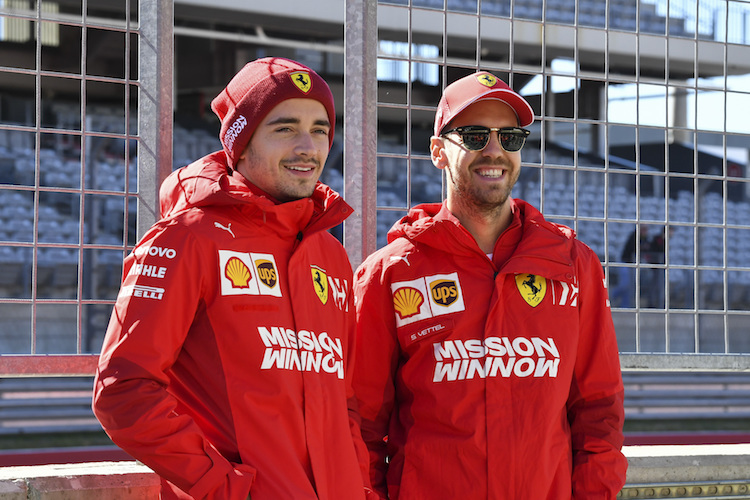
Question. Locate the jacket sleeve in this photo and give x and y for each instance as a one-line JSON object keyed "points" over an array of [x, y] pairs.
{"points": [[149, 323], [595, 404], [376, 360]]}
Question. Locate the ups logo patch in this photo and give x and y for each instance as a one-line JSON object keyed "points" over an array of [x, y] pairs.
{"points": [[266, 272], [444, 292]]}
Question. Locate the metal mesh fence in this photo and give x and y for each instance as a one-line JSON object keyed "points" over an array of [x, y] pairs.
{"points": [[640, 144], [68, 177]]}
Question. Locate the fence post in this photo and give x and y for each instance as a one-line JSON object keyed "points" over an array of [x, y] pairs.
{"points": [[155, 62], [360, 127]]}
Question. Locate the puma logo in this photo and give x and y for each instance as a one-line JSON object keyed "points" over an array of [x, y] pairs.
{"points": [[398, 257], [228, 228]]}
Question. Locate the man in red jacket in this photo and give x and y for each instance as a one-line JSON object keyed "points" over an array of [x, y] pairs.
{"points": [[226, 367], [487, 365]]}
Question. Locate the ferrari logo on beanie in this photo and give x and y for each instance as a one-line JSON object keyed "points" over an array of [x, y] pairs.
{"points": [[255, 90], [487, 80], [302, 80]]}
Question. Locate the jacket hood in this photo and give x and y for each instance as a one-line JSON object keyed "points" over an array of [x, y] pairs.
{"points": [[209, 181], [531, 235]]}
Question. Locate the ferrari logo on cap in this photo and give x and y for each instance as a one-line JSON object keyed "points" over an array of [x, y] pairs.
{"points": [[302, 80], [532, 288], [487, 80], [320, 283]]}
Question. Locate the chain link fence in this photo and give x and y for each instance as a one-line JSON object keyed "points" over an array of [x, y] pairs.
{"points": [[640, 144]]}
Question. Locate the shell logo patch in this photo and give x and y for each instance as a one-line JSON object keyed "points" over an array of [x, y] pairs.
{"points": [[237, 273], [320, 283], [266, 272], [426, 297], [487, 80], [242, 273], [532, 288], [302, 80], [407, 301]]}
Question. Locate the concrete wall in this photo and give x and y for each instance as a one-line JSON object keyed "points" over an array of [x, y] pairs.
{"points": [[686, 471], [92, 481], [703, 471]]}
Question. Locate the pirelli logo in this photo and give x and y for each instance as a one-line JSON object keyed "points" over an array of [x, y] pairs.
{"points": [[142, 291], [426, 297]]}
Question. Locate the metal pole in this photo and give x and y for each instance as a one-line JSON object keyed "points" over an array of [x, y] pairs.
{"points": [[156, 59], [360, 128]]}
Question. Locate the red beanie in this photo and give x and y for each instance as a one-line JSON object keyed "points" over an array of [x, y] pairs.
{"points": [[256, 90]]}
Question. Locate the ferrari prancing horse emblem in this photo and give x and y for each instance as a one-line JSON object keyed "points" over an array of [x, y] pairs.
{"points": [[532, 288]]}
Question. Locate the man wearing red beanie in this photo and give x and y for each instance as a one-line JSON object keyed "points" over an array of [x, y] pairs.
{"points": [[487, 364], [226, 367]]}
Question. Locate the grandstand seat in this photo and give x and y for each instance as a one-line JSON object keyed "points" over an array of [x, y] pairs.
{"points": [[46, 405], [680, 255], [69, 230], [686, 395], [57, 268], [496, 8], [469, 6], [12, 267], [21, 230]]}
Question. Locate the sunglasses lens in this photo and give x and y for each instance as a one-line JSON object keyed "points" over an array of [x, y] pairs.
{"points": [[475, 139], [512, 141]]}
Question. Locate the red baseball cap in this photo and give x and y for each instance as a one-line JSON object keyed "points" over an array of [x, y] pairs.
{"points": [[479, 86], [255, 90]]}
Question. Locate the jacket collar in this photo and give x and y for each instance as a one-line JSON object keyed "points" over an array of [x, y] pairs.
{"points": [[530, 244], [210, 182]]}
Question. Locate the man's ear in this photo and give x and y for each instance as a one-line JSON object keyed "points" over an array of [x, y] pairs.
{"points": [[437, 152]]}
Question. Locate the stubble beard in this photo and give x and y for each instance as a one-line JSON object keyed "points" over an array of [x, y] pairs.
{"points": [[293, 189], [485, 202]]}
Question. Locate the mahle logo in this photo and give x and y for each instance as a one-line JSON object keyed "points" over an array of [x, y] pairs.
{"points": [[444, 292], [266, 272]]}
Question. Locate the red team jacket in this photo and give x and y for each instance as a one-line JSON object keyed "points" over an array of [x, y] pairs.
{"points": [[485, 378], [226, 364]]}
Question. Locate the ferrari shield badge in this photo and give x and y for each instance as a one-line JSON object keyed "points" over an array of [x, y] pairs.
{"points": [[320, 283], [487, 80], [532, 288], [302, 80]]}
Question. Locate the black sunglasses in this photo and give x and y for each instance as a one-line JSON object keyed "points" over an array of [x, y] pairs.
{"points": [[475, 138]]}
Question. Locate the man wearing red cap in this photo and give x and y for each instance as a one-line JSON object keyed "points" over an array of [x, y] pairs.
{"points": [[487, 365], [226, 367]]}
